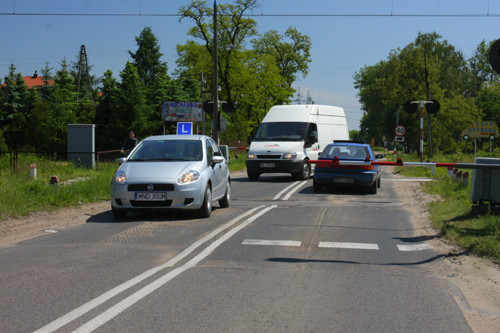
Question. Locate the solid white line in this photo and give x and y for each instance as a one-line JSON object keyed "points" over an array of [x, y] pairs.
{"points": [[78, 312], [132, 299], [286, 197], [414, 247], [277, 196], [271, 242], [345, 245]]}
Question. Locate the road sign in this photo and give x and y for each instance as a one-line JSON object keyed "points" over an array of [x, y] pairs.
{"points": [[400, 130], [399, 138], [481, 129], [184, 128], [183, 111]]}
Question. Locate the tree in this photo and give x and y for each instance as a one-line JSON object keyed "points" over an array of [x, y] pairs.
{"points": [[290, 50], [384, 87]]}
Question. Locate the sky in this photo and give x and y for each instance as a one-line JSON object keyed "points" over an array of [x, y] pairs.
{"points": [[346, 35]]}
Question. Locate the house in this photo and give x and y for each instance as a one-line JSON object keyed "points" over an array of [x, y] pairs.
{"points": [[33, 81]]}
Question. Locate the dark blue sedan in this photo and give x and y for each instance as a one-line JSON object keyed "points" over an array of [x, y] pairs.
{"points": [[347, 163]]}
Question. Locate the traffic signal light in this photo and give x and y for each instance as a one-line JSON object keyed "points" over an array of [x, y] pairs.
{"points": [[432, 107], [208, 106], [228, 107], [410, 107]]}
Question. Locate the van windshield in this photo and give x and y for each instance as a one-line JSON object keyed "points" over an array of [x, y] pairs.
{"points": [[281, 131]]}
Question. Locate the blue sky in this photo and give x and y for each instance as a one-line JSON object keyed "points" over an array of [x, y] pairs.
{"points": [[346, 35]]}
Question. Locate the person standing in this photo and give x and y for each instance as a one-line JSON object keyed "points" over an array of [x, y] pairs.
{"points": [[128, 144]]}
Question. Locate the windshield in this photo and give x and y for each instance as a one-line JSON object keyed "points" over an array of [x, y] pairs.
{"points": [[282, 131], [167, 150]]}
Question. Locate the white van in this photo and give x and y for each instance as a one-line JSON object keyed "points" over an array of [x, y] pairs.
{"points": [[290, 135]]}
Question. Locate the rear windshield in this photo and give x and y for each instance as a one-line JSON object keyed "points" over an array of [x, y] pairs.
{"points": [[346, 151], [167, 150]]}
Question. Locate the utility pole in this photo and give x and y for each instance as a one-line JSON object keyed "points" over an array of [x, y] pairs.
{"points": [[215, 93], [83, 58], [204, 116], [428, 98]]}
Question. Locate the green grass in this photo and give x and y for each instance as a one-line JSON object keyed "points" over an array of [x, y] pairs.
{"points": [[20, 195], [454, 215]]}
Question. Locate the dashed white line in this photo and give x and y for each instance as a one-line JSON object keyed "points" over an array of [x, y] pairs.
{"points": [[271, 242], [414, 247], [346, 245]]}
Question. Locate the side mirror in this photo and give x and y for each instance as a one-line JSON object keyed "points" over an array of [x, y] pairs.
{"points": [[217, 159], [379, 156], [121, 160]]}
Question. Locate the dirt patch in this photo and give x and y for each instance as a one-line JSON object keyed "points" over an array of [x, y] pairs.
{"points": [[474, 282]]}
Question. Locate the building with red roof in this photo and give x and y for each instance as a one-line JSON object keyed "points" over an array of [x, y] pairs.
{"points": [[34, 81]]}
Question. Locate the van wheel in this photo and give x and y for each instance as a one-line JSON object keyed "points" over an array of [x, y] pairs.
{"points": [[253, 175], [304, 173]]}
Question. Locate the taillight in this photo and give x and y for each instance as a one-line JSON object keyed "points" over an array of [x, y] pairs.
{"points": [[369, 167]]}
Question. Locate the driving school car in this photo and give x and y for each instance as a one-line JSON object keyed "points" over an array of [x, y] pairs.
{"points": [[172, 172]]}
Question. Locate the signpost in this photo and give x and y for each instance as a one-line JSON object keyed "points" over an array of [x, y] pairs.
{"points": [[481, 129], [182, 111], [184, 128]]}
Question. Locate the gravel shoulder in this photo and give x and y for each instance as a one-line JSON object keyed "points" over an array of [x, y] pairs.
{"points": [[474, 282]]}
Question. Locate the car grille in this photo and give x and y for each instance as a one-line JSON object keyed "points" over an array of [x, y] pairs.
{"points": [[167, 203], [269, 157], [157, 187]]}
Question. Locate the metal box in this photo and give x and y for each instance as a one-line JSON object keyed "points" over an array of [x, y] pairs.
{"points": [[485, 186]]}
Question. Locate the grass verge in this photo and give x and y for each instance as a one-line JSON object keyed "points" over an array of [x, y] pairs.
{"points": [[475, 232]]}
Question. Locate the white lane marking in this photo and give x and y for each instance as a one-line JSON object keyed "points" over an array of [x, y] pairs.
{"points": [[346, 245], [277, 196], [414, 247], [80, 311], [292, 191], [140, 294], [271, 242]]}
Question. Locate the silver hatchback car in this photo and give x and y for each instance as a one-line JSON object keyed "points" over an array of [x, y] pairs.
{"points": [[172, 172]]}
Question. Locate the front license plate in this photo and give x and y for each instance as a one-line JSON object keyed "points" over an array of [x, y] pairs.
{"points": [[150, 196], [267, 165], [344, 180]]}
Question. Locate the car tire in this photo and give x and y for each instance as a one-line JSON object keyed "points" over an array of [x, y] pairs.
{"points": [[253, 175], [373, 188], [206, 207], [378, 183], [304, 173], [226, 200], [119, 213], [317, 186]]}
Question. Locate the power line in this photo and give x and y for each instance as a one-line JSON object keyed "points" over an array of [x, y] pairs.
{"points": [[486, 15]]}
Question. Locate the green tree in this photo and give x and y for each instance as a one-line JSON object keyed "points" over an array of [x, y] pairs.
{"points": [[384, 88]]}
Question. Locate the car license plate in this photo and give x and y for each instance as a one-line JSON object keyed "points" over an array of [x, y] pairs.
{"points": [[267, 165], [150, 196], [344, 180]]}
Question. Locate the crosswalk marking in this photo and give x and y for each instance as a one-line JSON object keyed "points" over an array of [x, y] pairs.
{"points": [[414, 247], [346, 245], [272, 242], [338, 245]]}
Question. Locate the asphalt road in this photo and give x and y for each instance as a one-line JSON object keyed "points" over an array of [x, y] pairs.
{"points": [[281, 259]]}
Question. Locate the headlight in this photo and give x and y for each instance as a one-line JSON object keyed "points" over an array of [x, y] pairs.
{"points": [[289, 156], [120, 177], [250, 156], [188, 177]]}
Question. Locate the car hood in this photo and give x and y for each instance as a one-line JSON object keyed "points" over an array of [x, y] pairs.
{"points": [[141, 171]]}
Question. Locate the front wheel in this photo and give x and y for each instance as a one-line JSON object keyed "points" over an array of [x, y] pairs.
{"points": [[253, 175], [304, 173], [206, 208], [226, 200]]}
